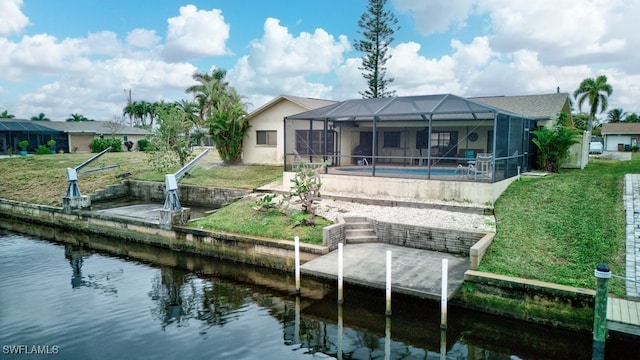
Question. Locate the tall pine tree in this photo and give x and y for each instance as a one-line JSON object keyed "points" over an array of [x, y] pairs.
{"points": [[377, 26]]}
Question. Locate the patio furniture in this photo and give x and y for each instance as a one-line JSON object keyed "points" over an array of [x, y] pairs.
{"points": [[415, 157], [482, 167]]}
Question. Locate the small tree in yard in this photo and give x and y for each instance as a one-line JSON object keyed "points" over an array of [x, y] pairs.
{"points": [[168, 144], [306, 187], [553, 146]]}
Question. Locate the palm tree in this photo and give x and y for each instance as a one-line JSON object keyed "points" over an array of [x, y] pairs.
{"points": [[615, 115], [77, 117], [229, 125], [40, 117], [596, 92], [209, 90], [5, 115], [632, 118], [190, 110]]}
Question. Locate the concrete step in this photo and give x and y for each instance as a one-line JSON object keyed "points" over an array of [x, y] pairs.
{"points": [[359, 232], [354, 219], [357, 225], [361, 239]]}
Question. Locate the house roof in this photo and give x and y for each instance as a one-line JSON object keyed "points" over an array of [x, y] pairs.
{"points": [[95, 127], [545, 106], [304, 102], [620, 128], [438, 107], [20, 125]]}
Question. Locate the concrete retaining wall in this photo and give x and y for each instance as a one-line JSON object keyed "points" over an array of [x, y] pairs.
{"points": [[277, 254], [188, 194], [552, 304], [426, 238]]}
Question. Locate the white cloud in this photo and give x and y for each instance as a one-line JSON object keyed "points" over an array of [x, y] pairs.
{"points": [[12, 20], [142, 38], [103, 43], [280, 63], [196, 33], [100, 92], [43, 54], [278, 52]]}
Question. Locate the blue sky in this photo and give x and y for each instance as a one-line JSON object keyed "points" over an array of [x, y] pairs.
{"points": [[78, 56]]}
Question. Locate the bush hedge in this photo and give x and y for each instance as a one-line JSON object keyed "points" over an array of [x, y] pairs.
{"points": [[99, 145]]}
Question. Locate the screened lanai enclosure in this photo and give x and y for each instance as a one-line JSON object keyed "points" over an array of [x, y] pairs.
{"points": [[434, 137]]}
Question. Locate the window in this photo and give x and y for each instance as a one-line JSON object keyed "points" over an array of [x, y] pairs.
{"points": [[266, 137], [311, 142], [391, 139]]}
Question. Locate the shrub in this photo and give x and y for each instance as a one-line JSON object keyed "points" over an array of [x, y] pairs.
{"points": [[144, 145], [99, 145], [553, 146], [42, 150], [23, 145], [51, 144]]}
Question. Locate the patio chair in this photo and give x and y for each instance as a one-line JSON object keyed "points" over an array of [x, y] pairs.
{"points": [[482, 167], [415, 157]]}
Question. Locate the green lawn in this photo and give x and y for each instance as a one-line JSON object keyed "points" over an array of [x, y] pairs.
{"points": [[559, 227], [270, 224]]}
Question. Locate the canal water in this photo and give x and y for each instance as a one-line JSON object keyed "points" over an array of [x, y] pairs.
{"points": [[73, 296]]}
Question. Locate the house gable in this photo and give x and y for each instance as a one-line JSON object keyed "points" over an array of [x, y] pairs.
{"points": [[267, 120]]}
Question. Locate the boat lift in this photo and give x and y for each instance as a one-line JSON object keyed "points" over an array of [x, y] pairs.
{"points": [[74, 199], [73, 191], [171, 201]]}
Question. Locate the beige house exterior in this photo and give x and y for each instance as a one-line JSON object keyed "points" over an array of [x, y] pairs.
{"points": [[80, 134], [264, 143], [406, 144]]}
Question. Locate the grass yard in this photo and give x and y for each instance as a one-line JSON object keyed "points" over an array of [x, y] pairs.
{"points": [[42, 179], [559, 227], [270, 223]]}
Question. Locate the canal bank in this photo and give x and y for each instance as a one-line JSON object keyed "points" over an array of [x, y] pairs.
{"points": [[565, 307]]}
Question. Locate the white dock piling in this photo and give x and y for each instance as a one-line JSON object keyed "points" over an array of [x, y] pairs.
{"points": [[388, 286], [340, 264], [297, 260], [444, 294]]}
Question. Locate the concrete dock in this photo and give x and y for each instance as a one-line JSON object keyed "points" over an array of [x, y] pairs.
{"points": [[414, 272]]}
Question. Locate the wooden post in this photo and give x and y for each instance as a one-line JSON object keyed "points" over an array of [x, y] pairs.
{"points": [[602, 274]]}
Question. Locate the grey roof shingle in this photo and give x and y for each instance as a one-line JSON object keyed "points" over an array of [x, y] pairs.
{"points": [[545, 106], [621, 128]]}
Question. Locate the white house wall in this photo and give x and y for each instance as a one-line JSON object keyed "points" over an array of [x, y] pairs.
{"points": [[611, 141]]}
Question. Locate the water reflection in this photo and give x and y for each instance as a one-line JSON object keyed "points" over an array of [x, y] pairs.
{"points": [[75, 254], [238, 311]]}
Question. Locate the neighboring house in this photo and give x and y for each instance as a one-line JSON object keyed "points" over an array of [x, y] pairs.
{"points": [[620, 136], [80, 134], [264, 143], [543, 108], [12, 131]]}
